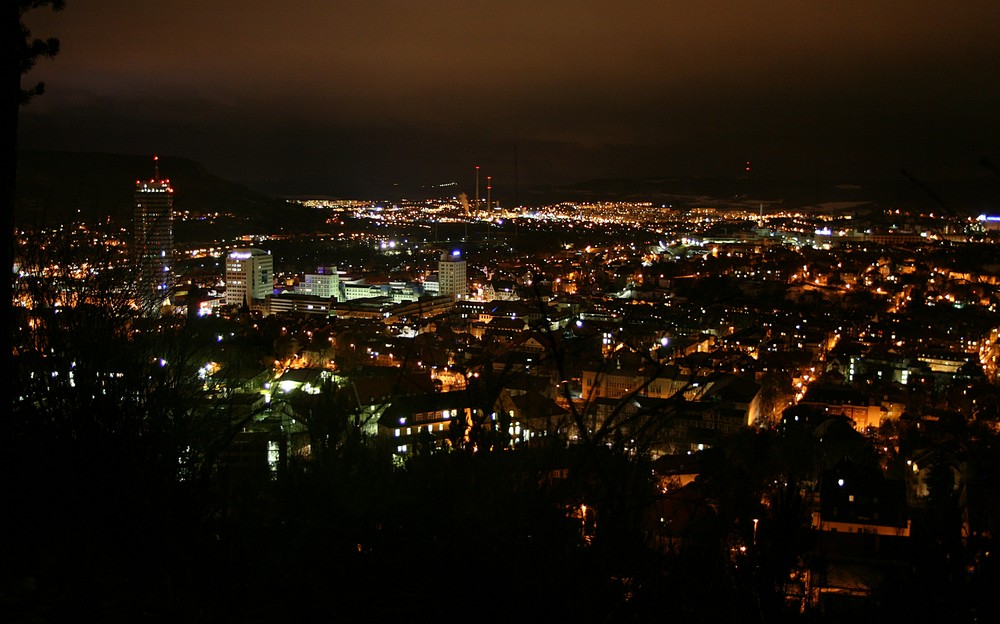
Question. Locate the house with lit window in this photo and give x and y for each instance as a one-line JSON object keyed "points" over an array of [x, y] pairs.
{"points": [[435, 419], [860, 500], [862, 527]]}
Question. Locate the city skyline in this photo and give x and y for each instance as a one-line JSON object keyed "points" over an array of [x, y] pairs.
{"points": [[637, 411], [330, 98], [750, 371]]}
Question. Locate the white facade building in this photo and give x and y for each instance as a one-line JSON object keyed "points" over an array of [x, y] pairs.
{"points": [[249, 276], [452, 280], [324, 284]]}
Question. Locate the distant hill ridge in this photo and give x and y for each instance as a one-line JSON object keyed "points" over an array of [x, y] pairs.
{"points": [[964, 197], [62, 187]]}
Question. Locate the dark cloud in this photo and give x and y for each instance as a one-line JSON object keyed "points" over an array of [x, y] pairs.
{"points": [[333, 96]]}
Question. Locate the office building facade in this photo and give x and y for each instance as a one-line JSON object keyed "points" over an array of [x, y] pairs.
{"points": [[325, 283], [452, 280], [154, 242], [249, 276]]}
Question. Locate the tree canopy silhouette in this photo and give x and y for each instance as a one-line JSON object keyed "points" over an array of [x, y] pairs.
{"points": [[23, 52]]}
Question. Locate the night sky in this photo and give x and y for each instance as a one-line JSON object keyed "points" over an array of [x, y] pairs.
{"points": [[325, 96]]}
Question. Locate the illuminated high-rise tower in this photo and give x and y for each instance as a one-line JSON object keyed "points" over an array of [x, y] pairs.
{"points": [[452, 275], [154, 240]]}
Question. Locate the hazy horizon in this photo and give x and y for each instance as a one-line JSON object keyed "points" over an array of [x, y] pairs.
{"points": [[330, 97]]}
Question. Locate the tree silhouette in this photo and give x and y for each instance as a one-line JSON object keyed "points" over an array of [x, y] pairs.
{"points": [[23, 52], [30, 50]]}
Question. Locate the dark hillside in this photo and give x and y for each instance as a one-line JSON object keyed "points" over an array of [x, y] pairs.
{"points": [[63, 187]]}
